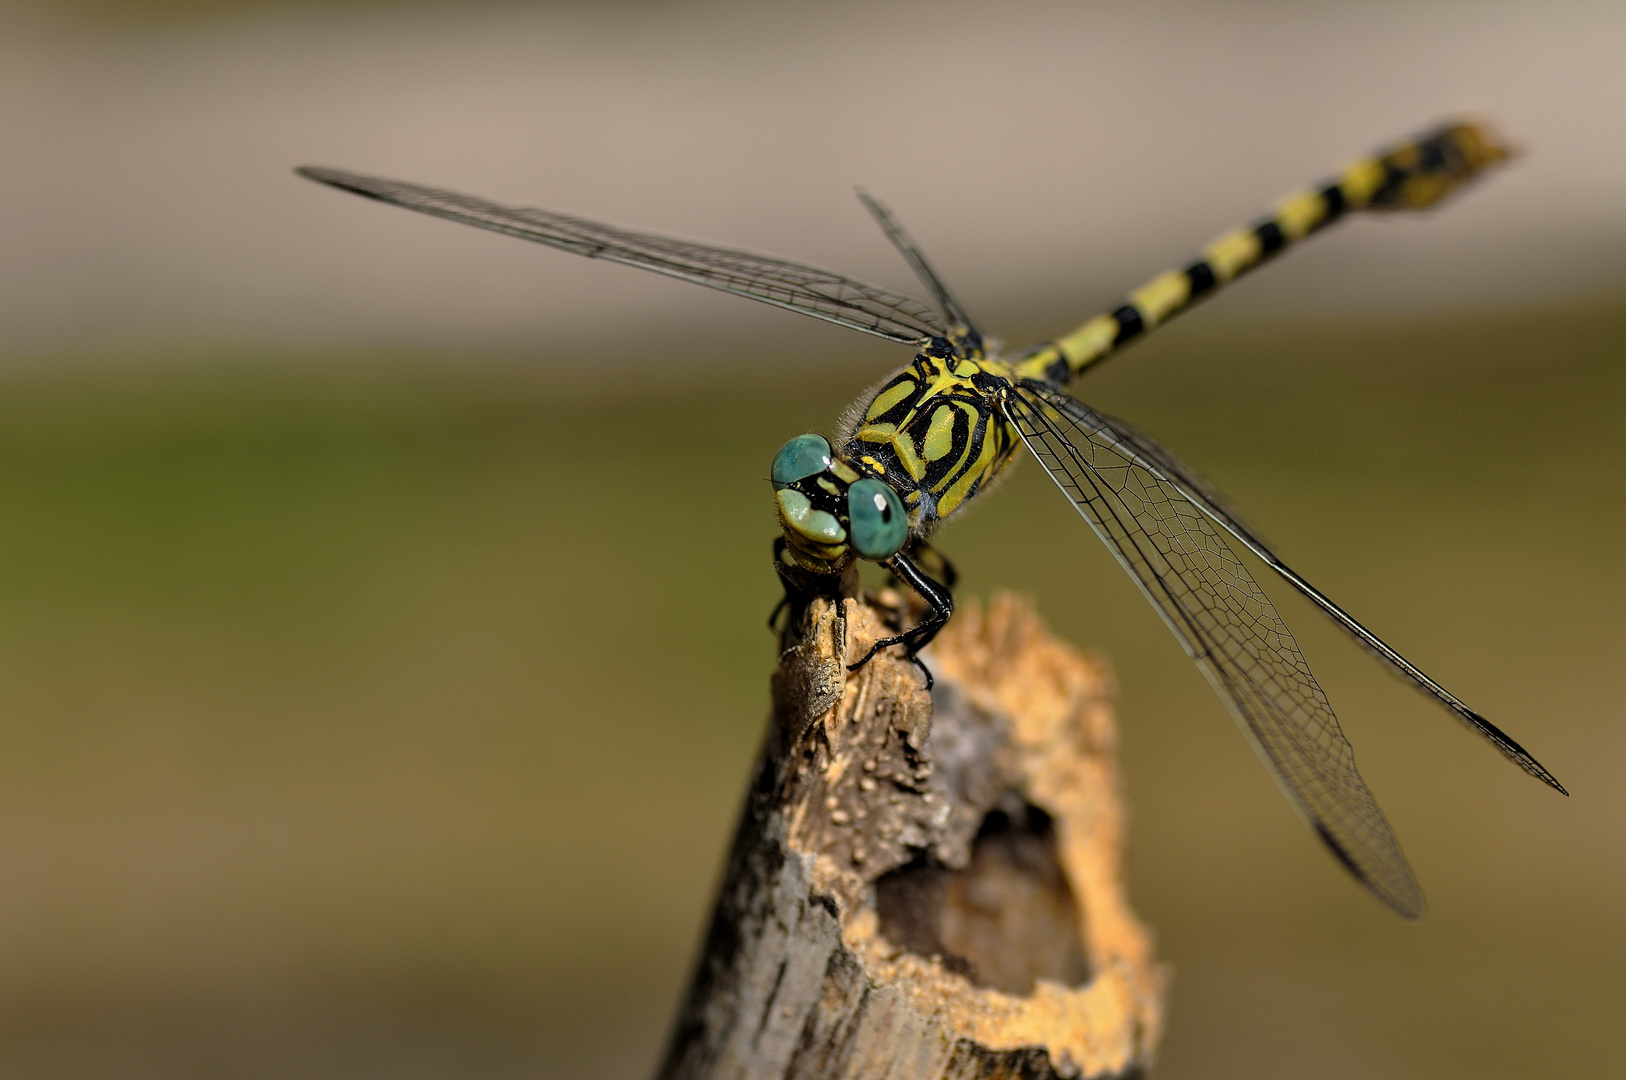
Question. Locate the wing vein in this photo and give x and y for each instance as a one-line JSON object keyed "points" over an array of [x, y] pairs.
{"points": [[1226, 623], [1154, 455], [780, 282]]}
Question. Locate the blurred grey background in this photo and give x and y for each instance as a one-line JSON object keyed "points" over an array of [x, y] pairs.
{"points": [[354, 722], [1051, 154]]}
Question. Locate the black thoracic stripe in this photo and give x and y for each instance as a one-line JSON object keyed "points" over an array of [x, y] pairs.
{"points": [[967, 438], [1332, 197], [904, 407], [1270, 237], [959, 435], [1201, 278], [1130, 324]]}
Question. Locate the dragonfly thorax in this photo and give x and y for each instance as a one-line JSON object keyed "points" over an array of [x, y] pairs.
{"points": [[934, 432]]}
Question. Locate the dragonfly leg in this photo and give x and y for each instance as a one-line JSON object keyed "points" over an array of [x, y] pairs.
{"points": [[778, 609], [931, 560], [802, 588], [940, 602]]}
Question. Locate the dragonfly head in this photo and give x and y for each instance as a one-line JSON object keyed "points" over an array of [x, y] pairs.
{"points": [[830, 513]]}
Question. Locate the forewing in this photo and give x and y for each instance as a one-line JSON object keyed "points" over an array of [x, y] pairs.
{"points": [[1227, 625], [780, 282]]}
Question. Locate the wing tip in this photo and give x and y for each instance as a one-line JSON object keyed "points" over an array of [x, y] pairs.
{"points": [[344, 181], [875, 206], [1515, 753], [1404, 898], [1526, 761], [320, 173]]}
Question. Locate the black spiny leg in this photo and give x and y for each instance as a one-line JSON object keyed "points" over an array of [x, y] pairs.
{"points": [[795, 597], [933, 562], [937, 597], [802, 587]]}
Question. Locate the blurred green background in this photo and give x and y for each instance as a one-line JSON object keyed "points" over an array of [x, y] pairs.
{"points": [[386, 716], [381, 603]]}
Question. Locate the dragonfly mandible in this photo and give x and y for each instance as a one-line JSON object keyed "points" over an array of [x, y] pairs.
{"points": [[922, 445]]}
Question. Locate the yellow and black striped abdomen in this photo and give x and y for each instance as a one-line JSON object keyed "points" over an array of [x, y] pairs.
{"points": [[933, 434], [1412, 176]]}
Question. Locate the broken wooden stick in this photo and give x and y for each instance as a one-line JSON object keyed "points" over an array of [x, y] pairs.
{"points": [[927, 885]]}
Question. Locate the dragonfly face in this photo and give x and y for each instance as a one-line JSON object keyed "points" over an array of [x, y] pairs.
{"points": [[940, 430], [830, 513]]}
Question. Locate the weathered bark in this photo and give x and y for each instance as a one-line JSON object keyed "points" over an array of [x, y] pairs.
{"points": [[927, 885]]}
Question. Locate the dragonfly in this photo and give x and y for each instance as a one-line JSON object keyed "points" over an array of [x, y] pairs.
{"points": [[923, 444]]}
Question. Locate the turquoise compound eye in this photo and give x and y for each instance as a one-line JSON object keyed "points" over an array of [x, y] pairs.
{"points": [[803, 456], [879, 525]]}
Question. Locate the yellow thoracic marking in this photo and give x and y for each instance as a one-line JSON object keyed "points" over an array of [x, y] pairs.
{"points": [[939, 382], [944, 378], [902, 446], [908, 458], [983, 468], [942, 462], [942, 384], [1232, 253], [940, 435], [1161, 296], [1300, 212], [889, 397], [950, 500]]}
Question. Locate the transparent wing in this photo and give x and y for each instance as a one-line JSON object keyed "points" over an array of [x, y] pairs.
{"points": [[1212, 503], [1227, 625], [952, 310], [785, 284], [1165, 461]]}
